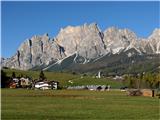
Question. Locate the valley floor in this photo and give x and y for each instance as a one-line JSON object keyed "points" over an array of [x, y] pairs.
{"points": [[23, 104]]}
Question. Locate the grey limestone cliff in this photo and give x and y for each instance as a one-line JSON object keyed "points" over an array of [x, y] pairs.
{"points": [[87, 41]]}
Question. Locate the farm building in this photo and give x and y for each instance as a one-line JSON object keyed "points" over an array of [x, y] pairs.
{"points": [[90, 87], [148, 92], [46, 85], [142, 92]]}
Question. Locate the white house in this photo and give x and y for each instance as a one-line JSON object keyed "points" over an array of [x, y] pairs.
{"points": [[46, 85]]}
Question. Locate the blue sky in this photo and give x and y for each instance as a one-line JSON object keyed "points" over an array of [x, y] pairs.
{"points": [[22, 20]]}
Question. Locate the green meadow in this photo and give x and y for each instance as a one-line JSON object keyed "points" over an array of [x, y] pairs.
{"points": [[63, 78], [23, 104]]}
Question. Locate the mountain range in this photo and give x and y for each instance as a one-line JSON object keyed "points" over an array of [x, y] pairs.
{"points": [[88, 49]]}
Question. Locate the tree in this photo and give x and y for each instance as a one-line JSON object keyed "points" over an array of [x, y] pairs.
{"points": [[152, 80], [13, 75], [5, 80], [125, 81], [131, 82], [42, 76], [21, 75], [157, 84]]}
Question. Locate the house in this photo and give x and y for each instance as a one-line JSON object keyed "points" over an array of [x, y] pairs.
{"points": [[24, 82], [12, 85], [20, 82], [42, 85], [118, 77], [54, 84], [88, 87], [15, 80], [46, 85], [77, 87]]}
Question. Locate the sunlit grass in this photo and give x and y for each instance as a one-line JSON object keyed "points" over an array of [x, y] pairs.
{"points": [[72, 105]]}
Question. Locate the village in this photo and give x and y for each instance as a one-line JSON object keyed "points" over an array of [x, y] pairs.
{"points": [[28, 83], [44, 84]]}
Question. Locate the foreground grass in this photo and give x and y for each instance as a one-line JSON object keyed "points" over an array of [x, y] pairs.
{"points": [[72, 105]]}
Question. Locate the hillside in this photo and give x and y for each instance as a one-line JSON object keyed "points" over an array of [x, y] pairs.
{"points": [[128, 62]]}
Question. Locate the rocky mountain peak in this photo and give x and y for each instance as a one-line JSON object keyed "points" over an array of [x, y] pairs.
{"points": [[117, 40], [86, 41], [46, 34], [155, 34], [154, 41], [82, 39]]}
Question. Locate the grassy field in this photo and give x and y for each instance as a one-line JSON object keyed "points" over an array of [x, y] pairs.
{"points": [[76, 105], [63, 78]]}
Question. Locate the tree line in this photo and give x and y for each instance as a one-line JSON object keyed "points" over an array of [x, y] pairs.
{"points": [[143, 80]]}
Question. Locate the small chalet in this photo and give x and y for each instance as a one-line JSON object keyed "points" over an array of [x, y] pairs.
{"points": [[24, 82]]}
